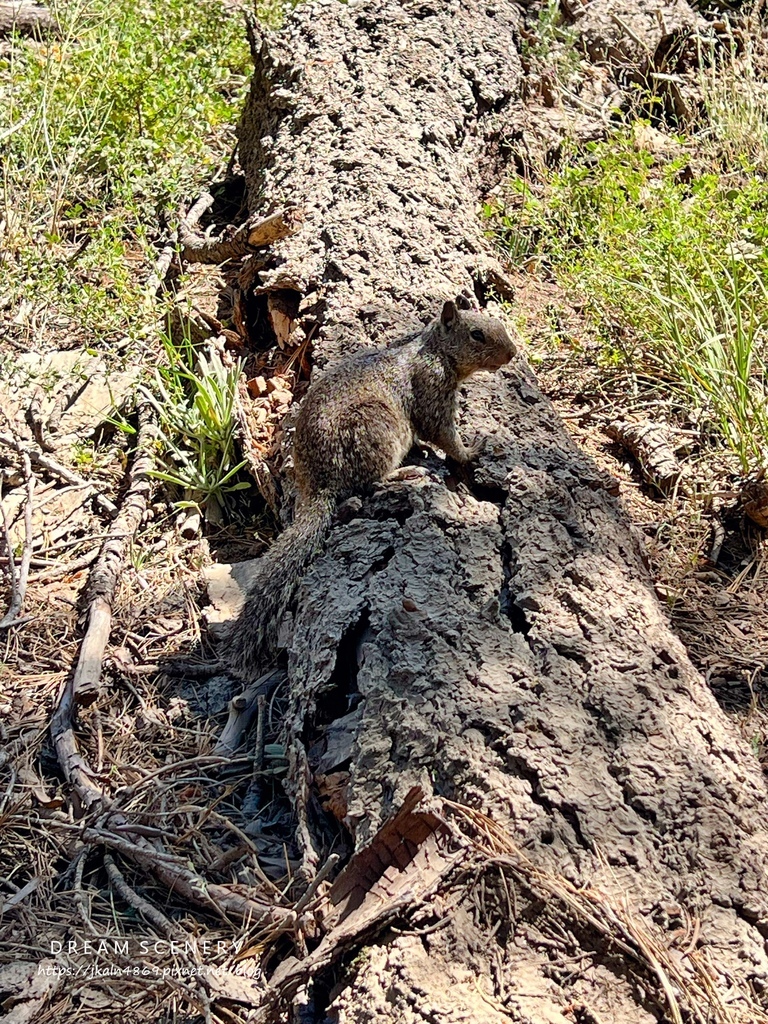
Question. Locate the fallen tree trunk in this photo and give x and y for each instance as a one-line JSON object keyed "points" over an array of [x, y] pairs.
{"points": [[26, 16], [498, 646]]}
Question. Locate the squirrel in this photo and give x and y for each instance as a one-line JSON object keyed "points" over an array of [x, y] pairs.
{"points": [[354, 428]]}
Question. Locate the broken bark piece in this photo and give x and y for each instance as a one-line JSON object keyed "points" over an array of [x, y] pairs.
{"points": [[651, 446], [405, 861], [257, 386], [282, 309]]}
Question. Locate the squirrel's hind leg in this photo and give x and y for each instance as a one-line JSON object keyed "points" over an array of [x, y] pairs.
{"points": [[378, 442]]}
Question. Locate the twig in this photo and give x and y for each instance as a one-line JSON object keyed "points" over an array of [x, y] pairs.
{"points": [[320, 877], [55, 468], [84, 682], [66, 396], [144, 907], [65, 570], [173, 871], [258, 760], [19, 587], [164, 260], [80, 900], [242, 709]]}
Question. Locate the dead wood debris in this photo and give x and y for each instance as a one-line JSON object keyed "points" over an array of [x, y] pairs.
{"points": [[106, 572], [408, 859], [754, 493], [417, 855], [233, 242], [242, 708], [650, 444], [112, 828], [55, 468]]}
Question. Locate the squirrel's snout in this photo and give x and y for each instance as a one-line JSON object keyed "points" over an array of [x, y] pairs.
{"points": [[506, 350]]}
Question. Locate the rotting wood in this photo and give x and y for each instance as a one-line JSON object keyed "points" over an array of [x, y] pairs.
{"points": [[233, 243], [501, 638], [650, 444], [27, 17]]}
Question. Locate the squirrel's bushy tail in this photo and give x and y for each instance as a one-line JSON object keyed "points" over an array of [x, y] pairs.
{"points": [[251, 640]]}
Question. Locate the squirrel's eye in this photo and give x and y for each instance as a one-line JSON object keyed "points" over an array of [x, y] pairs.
{"points": [[477, 335]]}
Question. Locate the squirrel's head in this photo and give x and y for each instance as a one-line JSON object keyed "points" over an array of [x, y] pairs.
{"points": [[475, 340]]}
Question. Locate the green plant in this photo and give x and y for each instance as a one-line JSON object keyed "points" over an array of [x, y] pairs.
{"points": [[105, 131], [711, 342], [671, 268], [194, 396]]}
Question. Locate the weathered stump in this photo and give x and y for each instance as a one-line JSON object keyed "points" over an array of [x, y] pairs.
{"points": [[497, 644]]}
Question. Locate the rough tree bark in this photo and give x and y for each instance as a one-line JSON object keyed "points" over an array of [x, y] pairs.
{"points": [[26, 16], [497, 644]]}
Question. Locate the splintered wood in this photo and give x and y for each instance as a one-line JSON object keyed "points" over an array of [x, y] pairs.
{"points": [[406, 861]]}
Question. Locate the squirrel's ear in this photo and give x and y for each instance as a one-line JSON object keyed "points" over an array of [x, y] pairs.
{"points": [[449, 314], [463, 301]]}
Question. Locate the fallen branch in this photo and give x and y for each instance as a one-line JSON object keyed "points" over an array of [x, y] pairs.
{"points": [[144, 907], [19, 585], [649, 443], [174, 873], [233, 242], [242, 708], [109, 565], [84, 682]]}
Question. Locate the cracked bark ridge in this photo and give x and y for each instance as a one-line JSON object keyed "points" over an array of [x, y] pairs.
{"points": [[500, 644]]}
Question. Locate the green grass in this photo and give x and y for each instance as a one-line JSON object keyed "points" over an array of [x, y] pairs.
{"points": [[671, 264], [105, 132]]}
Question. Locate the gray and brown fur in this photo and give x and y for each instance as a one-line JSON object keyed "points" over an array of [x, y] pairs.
{"points": [[355, 427]]}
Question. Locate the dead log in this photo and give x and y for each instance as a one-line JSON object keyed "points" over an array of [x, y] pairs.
{"points": [[26, 16], [500, 638]]}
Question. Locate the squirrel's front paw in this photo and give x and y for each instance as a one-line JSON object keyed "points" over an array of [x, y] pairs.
{"points": [[474, 449]]}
